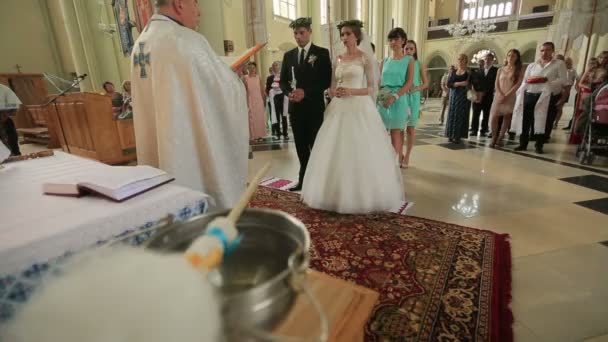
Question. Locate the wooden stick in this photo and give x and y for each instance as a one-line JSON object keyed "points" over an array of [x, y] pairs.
{"points": [[236, 212], [41, 154]]}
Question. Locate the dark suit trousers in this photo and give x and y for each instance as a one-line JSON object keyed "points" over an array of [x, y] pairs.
{"points": [[530, 101], [551, 114], [281, 118], [12, 136], [479, 108], [305, 126]]}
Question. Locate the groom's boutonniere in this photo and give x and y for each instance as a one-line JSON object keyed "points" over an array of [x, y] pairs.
{"points": [[312, 59]]}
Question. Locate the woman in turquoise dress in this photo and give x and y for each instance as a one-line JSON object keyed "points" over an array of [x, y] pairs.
{"points": [[397, 76], [420, 83]]}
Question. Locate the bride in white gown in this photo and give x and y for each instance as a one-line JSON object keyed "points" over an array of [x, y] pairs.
{"points": [[353, 167]]}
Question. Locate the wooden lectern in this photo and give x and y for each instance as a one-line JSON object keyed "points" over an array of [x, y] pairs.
{"points": [[87, 127], [31, 120]]}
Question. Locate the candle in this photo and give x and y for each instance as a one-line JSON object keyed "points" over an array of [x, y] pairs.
{"points": [[293, 79]]}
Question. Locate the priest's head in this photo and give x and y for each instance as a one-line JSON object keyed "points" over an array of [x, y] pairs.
{"points": [[186, 12], [301, 30]]}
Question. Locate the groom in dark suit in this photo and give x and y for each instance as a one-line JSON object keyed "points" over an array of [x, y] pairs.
{"points": [[305, 75]]}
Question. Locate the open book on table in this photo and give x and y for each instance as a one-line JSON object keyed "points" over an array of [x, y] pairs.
{"points": [[117, 183]]}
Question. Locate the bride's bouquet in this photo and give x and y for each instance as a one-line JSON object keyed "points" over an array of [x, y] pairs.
{"points": [[384, 94]]}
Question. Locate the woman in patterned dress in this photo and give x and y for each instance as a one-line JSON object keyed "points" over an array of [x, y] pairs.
{"points": [[457, 126]]}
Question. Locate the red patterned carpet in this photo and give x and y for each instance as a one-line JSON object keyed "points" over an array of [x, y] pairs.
{"points": [[437, 281]]}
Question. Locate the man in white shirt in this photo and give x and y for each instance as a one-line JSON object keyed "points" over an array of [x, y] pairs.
{"points": [[543, 84]]}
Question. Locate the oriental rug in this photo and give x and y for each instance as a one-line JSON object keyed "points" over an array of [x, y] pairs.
{"points": [[285, 184], [437, 281]]}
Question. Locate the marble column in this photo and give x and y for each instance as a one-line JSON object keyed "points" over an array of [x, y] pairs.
{"points": [[212, 24], [421, 25], [256, 32]]}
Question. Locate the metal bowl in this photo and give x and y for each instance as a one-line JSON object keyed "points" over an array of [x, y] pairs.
{"points": [[259, 279]]}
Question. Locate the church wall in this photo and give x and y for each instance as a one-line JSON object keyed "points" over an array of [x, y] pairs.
{"points": [[528, 5], [27, 38], [61, 39], [234, 25], [212, 24], [108, 56], [447, 9], [280, 36], [501, 44], [449, 48]]}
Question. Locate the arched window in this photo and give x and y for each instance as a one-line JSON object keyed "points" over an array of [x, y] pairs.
{"points": [[284, 8], [437, 63], [508, 8], [495, 9]]}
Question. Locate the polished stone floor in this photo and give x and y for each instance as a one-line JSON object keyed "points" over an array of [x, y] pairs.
{"points": [[555, 210]]}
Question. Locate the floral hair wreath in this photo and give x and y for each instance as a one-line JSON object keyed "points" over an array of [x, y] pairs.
{"points": [[351, 23], [301, 22]]}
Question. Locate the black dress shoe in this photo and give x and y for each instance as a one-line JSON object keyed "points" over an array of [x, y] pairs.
{"points": [[520, 148], [296, 188], [539, 150]]}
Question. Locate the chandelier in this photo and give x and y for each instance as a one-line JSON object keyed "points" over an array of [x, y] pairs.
{"points": [[472, 30]]}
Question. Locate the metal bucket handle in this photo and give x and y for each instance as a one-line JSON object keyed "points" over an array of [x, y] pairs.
{"points": [[297, 281]]}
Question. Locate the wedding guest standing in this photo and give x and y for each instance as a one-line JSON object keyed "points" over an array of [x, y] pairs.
{"points": [[397, 74], [445, 92], [457, 126], [508, 80], [421, 82], [535, 106], [278, 102], [255, 103]]}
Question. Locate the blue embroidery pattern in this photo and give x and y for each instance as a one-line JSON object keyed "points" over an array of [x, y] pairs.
{"points": [[141, 59], [16, 289]]}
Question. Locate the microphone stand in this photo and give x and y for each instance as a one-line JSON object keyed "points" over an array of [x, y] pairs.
{"points": [[54, 99], [76, 82]]}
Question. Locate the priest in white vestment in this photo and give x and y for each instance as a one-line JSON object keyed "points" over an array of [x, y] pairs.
{"points": [[190, 109]]}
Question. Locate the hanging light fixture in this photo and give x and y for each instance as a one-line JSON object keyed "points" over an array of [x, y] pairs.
{"points": [[471, 29]]}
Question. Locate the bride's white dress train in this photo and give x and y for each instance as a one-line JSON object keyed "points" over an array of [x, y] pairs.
{"points": [[353, 167]]}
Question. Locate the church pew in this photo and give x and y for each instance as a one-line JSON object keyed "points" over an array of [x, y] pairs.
{"points": [[88, 128]]}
